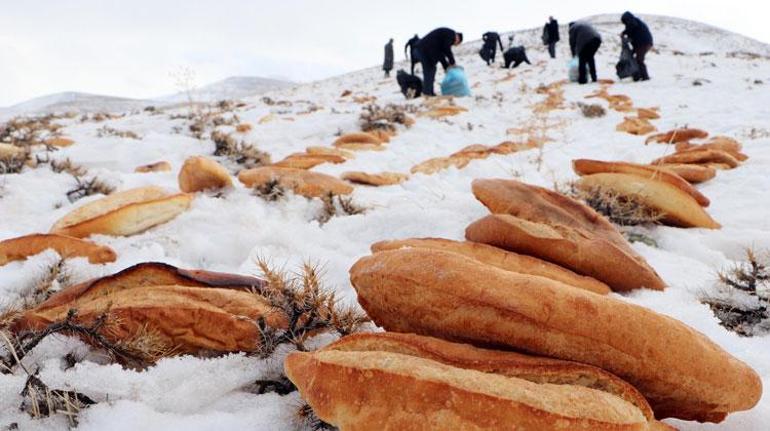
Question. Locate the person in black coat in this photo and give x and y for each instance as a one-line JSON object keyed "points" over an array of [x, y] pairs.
{"points": [[387, 64], [515, 55], [584, 41], [551, 32], [641, 41], [434, 48], [489, 49], [410, 45]]}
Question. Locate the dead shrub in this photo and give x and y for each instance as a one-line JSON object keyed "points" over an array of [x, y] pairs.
{"points": [[40, 401], [14, 164], [110, 131], [336, 205], [88, 187], [239, 152], [592, 110], [620, 209], [741, 299], [270, 191], [375, 117]]}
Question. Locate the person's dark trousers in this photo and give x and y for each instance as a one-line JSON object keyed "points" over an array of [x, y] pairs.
{"points": [[639, 53], [492, 55], [415, 57], [552, 49], [586, 58], [428, 76]]}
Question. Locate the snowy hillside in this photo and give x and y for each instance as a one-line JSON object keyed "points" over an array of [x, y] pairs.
{"points": [[234, 87], [701, 77]]}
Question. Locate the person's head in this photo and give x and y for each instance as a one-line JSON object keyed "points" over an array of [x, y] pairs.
{"points": [[391, 40], [550, 18], [458, 38], [626, 17]]}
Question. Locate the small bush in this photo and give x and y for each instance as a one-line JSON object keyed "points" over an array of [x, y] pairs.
{"points": [[619, 209], [270, 191], [375, 117], [338, 205], [88, 187], [110, 131], [592, 110], [239, 152]]}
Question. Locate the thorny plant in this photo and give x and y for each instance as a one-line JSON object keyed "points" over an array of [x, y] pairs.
{"points": [[620, 209], [40, 401], [14, 163], [88, 187], [375, 117], [239, 152], [591, 110], [110, 131], [29, 131], [742, 299], [270, 191], [337, 205]]}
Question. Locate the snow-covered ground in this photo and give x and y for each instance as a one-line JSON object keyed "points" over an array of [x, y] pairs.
{"points": [[227, 233]]}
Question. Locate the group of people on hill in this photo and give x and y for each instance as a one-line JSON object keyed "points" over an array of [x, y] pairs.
{"points": [[584, 43]]}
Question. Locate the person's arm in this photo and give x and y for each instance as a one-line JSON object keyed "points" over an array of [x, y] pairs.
{"points": [[572, 42], [406, 47], [500, 42]]}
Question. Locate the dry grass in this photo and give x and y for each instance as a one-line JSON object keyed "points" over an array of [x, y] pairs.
{"points": [[14, 164], [336, 206], [270, 191], [239, 152], [592, 110], [375, 117], [29, 131], [110, 131], [741, 301], [67, 166], [88, 187], [619, 209], [306, 419], [40, 401]]}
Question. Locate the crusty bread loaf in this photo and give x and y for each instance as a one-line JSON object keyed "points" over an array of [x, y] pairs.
{"points": [[571, 248], [124, 213], [162, 166], [330, 151], [677, 207], [181, 319], [357, 138], [677, 135], [29, 245], [699, 156], [436, 164], [201, 173], [442, 111], [535, 369], [510, 147], [553, 227], [636, 126], [475, 151], [390, 391], [681, 372], [378, 179], [589, 167], [692, 173], [721, 143], [302, 182], [308, 161], [500, 258], [648, 113]]}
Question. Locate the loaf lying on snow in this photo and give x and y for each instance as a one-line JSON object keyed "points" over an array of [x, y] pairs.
{"points": [[180, 311], [66, 246], [542, 223], [500, 258], [124, 213], [680, 372], [401, 381], [302, 182]]}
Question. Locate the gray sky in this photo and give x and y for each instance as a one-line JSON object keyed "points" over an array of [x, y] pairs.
{"points": [[132, 48]]}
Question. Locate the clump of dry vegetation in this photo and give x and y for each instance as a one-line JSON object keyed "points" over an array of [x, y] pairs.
{"points": [[29, 131], [375, 117], [270, 191], [110, 131], [741, 299], [335, 205], [592, 110], [88, 187], [13, 163], [620, 209], [40, 401], [243, 154]]}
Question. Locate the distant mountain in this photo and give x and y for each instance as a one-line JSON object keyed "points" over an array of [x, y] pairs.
{"points": [[236, 87]]}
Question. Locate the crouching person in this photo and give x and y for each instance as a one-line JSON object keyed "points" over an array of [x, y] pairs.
{"points": [[515, 56], [434, 48], [584, 42]]}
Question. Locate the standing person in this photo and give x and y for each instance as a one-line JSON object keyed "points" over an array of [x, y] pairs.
{"points": [[387, 64], [434, 48], [410, 45], [489, 49], [641, 41], [584, 41], [551, 35]]}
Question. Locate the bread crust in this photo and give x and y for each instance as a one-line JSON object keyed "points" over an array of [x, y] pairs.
{"points": [[436, 164], [357, 138], [389, 391], [681, 372], [588, 167], [162, 166], [302, 182], [500, 258], [699, 156], [67, 247], [677, 135], [201, 173], [692, 173], [678, 207], [378, 179], [561, 230]]}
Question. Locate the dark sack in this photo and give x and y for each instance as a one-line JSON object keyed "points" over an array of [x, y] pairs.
{"points": [[545, 37], [627, 65], [411, 86]]}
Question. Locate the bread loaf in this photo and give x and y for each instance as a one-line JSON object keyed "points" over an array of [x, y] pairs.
{"points": [[302, 182], [66, 246]]}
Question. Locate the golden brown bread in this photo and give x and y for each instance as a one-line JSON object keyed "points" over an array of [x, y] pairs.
{"points": [[391, 391], [200, 173], [308, 161], [589, 167], [699, 156], [66, 246], [475, 151], [680, 372], [676, 206], [162, 166], [60, 142], [442, 111], [677, 135], [544, 219], [500, 258], [692, 173], [510, 147], [647, 113], [721, 143], [302, 182], [535, 369], [378, 179], [330, 151], [574, 249], [636, 126], [123, 213], [185, 311], [357, 138], [431, 166]]}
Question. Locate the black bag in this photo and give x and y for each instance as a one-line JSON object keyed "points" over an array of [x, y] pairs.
{"points": [[411, 86], [545, 37], [627, 65]]}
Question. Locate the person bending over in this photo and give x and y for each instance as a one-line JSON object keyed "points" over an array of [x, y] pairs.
{"points": [[434, 48], [641, 42], [584, 41]]}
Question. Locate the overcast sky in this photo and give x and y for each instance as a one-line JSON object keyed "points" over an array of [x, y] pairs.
{"points": [[132, 48]]}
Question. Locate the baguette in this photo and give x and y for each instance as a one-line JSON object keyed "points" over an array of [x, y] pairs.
{"points": [[699, 156], [680, 372], [302, 182], [66, 246], [391, 391], [379, 179], [584, 167], [677, 135], [676, 206], [692, 173], [200, 173], [500, 258]]}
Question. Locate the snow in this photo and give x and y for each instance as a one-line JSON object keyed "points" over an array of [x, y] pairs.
{"points": [[228, 232]]}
